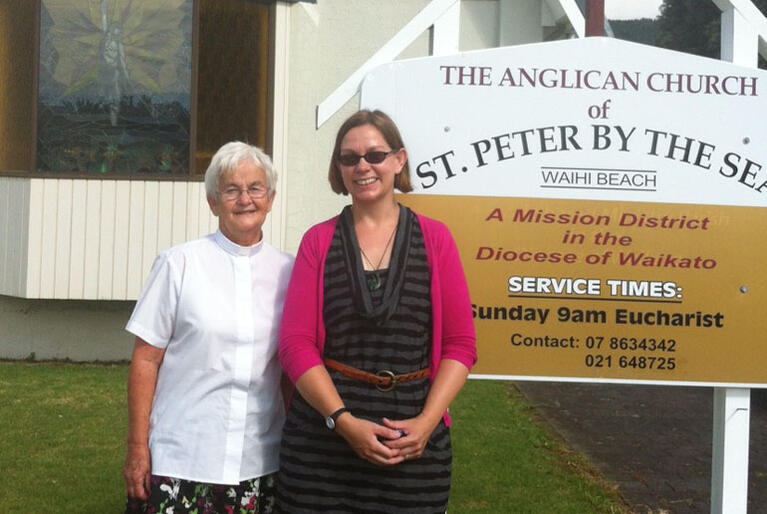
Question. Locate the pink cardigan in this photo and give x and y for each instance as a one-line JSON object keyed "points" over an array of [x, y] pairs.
{"points": [[302, 331]]}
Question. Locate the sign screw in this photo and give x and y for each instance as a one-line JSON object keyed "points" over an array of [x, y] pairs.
{"points": [[744, 289], [746, 140], [446, 129]]}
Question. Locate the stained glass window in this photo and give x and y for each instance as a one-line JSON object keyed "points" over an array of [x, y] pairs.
{"points": [[114, 86], [130, 88]]}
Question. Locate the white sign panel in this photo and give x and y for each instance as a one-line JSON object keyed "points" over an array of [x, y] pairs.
{"points": [[592, 118]]}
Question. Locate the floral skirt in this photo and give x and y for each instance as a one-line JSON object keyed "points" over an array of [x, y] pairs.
{"points": [[177, 496]]}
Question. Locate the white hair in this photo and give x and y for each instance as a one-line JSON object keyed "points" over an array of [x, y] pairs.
{"points": [[229, 156]]}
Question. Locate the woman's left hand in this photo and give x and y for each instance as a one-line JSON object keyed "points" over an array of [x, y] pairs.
{"points": [[415, 434]]}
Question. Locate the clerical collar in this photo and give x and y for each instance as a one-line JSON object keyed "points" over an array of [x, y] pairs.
{"points": [[235, 249]]}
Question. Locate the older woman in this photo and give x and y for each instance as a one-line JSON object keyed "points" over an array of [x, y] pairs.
{"points": [[205, 406], [377, 334]]}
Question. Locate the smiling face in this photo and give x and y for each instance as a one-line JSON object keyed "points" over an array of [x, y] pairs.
{"points": [[240, 219], [367, 182]]}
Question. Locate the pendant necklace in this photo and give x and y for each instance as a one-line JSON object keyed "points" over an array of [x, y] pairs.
{"points": [[374, 278]]}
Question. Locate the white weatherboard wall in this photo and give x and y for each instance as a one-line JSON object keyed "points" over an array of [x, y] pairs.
{"points": [[14, 227], [92, 239]]}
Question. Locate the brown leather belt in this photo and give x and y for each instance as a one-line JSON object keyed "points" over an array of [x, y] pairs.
{"points": [[384, 380]]}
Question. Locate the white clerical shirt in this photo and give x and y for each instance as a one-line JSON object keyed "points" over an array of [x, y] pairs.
{"points": [[215, 308]]}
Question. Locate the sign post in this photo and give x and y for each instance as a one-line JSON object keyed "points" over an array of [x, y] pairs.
{"points": [[729, 463], [595, 18], [729, 458]]}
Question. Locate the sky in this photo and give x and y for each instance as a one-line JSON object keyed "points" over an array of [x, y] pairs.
{"points": [[631, 9]]}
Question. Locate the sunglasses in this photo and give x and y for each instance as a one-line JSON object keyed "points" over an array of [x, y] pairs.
{"points": [[374, 157]]}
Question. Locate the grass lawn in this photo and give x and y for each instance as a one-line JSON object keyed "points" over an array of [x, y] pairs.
{"points": [[63, 431], [504, 461], [63, 442]]}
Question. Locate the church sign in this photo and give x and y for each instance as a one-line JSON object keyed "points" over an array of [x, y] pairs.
{"points": [[608, 200]]}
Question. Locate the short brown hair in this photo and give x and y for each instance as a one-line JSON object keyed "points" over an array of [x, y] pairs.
{"points": [[390, 133]]}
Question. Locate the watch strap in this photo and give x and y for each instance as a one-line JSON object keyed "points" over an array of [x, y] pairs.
{"points": [[330, 421]]}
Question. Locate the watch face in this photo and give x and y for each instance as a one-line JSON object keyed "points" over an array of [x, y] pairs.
{"points": [[330, 423]]}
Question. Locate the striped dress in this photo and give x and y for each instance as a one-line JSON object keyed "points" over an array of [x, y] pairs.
{"points": [[319, 472]]}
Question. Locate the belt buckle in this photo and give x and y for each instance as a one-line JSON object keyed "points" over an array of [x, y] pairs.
{"points": [[384, 374]]}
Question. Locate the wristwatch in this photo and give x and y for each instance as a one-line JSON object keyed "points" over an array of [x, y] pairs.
{"points": [[330, 421]]}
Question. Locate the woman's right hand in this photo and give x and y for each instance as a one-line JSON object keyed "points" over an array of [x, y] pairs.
{"points": [[365, 438], [137, 471]]}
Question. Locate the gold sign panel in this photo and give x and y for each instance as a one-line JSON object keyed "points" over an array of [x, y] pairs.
{"points": [[595, 290]]}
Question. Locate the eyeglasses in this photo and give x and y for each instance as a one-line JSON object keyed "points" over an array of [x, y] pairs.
{"points": [[374, 157], [233, 193]]}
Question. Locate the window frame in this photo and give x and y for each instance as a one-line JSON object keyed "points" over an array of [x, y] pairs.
{"points": [[192, 174]]}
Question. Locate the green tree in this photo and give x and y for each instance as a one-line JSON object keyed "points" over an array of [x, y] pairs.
{"points": [[642, 30], [693, 26]]}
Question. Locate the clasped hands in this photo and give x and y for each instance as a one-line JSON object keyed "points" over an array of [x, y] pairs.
{"points": [[389, 443]]}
